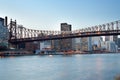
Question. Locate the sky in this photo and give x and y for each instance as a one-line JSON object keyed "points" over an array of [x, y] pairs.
{"points": [[48, 14]]}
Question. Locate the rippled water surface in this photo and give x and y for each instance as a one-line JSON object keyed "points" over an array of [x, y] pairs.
{"points": [[58, 67]]}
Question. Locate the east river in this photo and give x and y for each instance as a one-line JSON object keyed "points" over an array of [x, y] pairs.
{"points": [[59, 67]]}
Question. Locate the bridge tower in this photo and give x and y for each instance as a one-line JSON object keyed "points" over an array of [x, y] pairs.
{"points": [[13, 31], [13, 25]]}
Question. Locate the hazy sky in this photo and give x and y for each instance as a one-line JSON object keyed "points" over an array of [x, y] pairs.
{"points": [[48, 14]]}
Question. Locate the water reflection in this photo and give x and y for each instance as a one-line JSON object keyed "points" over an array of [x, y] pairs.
{"points": [[99, 65]]}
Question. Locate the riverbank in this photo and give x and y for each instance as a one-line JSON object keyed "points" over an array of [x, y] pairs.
{"points": [[88, 52], [24, 53], [15, 53]]}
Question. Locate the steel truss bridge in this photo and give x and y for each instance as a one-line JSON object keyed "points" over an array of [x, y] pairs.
{"points": [[19, 34]]}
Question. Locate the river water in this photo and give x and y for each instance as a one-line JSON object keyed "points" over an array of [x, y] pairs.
{"points": [[58, 67]]}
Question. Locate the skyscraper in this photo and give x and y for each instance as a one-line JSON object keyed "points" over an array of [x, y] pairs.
{"points": [[66, 44], [65, 27], [112, 38], [84, 44], [4, 34]]}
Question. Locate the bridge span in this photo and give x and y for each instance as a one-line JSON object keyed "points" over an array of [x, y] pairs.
{"points": [[18, 33]]}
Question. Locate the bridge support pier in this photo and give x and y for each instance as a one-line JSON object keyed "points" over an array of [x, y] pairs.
{"points": [[90, 44]]}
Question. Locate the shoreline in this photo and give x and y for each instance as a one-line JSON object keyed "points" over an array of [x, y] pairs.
{"points": [[15, 53], [27, 53]]}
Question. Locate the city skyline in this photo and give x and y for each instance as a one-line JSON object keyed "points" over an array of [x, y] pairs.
{"points": [[48, 14]]}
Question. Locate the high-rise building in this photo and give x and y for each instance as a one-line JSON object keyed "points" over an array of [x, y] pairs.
{"points": [[30, 46], [66, 44], [96, 43], [86, 44], [56, 45], [115, 39], [63, 44], [109, 46], [4, 34], [118, 42], [112, 38], [76, 44], [65, 27], [107, 38], [90, 43]]}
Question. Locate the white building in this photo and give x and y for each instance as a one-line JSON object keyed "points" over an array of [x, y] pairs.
{"points": [[96, 43], [91, 43], [112, 38], [45, 45], [103, 45], [76, 44], [109, 46]]}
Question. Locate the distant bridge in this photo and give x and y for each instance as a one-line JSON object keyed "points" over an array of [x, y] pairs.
{"points": [[18, 33]]}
